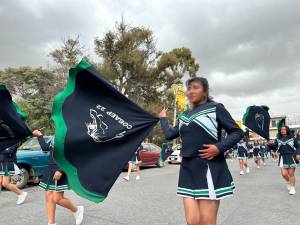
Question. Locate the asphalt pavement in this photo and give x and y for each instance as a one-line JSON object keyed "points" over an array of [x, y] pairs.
{"points": [[261, 198]]}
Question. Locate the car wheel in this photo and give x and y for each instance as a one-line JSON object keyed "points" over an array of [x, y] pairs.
{"points": [[21, 180]]}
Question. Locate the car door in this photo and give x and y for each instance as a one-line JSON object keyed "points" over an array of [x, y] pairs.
{"points": [[155, 154], [31, 154], [39, 161], [145, 154]]}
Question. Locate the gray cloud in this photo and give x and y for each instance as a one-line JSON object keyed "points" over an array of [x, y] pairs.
{"points": [[249, 50]]}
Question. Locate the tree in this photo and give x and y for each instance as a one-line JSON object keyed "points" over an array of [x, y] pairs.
{"points": [[33, 89], [129, 59], [67, 56]]}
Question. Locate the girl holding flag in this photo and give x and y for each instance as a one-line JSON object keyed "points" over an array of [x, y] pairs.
{"points": [[204, 177], [55, 182], [135, 161]]}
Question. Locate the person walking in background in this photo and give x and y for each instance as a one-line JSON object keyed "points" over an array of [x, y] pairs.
{"points": [[7, 164], [263, 152], [242, 156], [135, 162], [289, 151], [256, 149]]}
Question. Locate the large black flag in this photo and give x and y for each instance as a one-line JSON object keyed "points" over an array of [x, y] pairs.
{"points": [[257, 119], [13, 128], [97, 130]]}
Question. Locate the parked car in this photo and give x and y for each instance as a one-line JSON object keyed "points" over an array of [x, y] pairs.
{"points": [[32, 162], [150, 155], [175, 157]]}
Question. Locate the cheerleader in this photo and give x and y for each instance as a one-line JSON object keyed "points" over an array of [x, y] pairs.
{"points": [[263, 152], [7, 164], [256, 149], [54, 182], [135, 161], [242, 156], [250, 147], [289, 154], [274, 154], [204, 177]]}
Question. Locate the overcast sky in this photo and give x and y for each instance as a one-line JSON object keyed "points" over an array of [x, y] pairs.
{"points": [[249, 50]]}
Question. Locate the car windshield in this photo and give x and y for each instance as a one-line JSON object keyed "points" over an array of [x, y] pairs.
{"points": [[32, 144]]}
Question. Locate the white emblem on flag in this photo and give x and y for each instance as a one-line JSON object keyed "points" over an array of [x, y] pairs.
{"points": [[260, 120], [98, 129]]}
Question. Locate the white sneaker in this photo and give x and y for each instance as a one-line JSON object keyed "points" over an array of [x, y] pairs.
{"points": [[247, 170], [265, 164], [258, 167], [292, 190], [22, 198], [242, 172], [288, 186], [126, 178], [138, 177], [79, 215]]}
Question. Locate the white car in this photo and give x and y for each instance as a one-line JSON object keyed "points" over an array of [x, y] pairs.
{"points": [[175, 157]]}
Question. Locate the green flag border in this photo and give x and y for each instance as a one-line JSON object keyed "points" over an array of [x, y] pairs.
{"points": [[16, 106], [248, 110], [20, 112], [61, 131]]}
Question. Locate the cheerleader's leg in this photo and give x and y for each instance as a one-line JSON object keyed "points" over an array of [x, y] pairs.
{"points": [[209, 211], [1, 178], [245, 163], [138, 171], [51, 207], [258, 161], [241, 161], [285, 174], [128, 171], [192, 211], [60, 199], [9, 186], [292, 178]]}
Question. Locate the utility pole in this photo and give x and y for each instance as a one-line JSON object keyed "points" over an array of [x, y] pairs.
{"points": [[175, 90]]}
